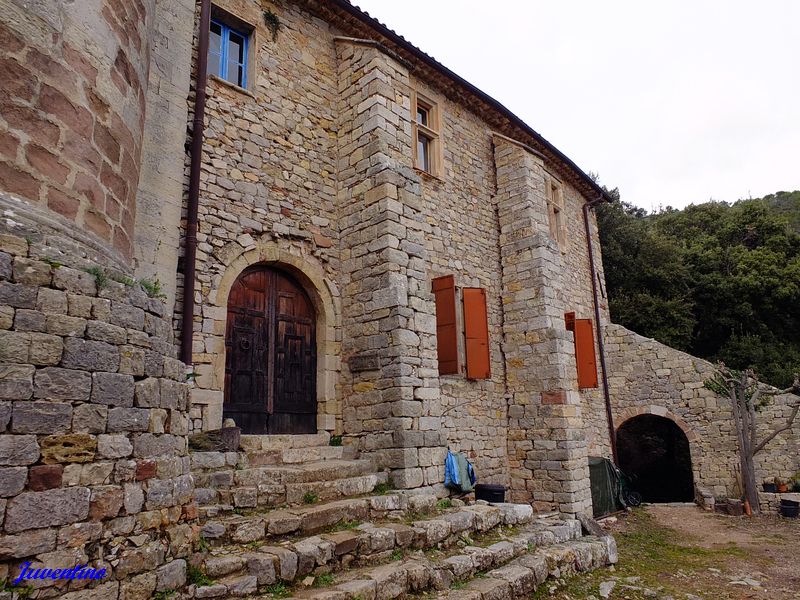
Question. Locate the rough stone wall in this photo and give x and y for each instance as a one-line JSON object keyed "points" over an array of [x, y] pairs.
{"points": [[72, 109], [93, 405], [462, 240], [391, 393], [161, 179], [648, 377], [546, 441], [268, 187], [93, 464]]}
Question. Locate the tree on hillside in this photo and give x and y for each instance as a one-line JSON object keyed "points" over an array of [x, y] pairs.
{"points": [[748, 396], [717, 280]]}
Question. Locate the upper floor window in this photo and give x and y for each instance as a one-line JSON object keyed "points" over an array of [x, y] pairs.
{"points": [[227, 54], [427, 145], [555, 213]]}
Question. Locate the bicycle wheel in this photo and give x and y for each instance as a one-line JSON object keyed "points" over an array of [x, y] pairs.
{"points": [[634, 498]]}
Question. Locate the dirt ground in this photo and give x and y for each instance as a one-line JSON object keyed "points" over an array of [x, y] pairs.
{"points": [[684, 553]]}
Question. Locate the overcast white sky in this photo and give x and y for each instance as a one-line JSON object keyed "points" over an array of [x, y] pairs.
{"points": [[673, 102]]}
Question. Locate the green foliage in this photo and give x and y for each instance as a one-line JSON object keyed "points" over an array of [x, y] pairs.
{"points": [[336, 440], [310, 497], [718, 280], [444, 503], [100, 277], [645, 546], [324, 580], [165, 595], [272, 23], [23, 592], [381, 489], [397, 554], [197, 577], [152, 288], [53, 263], [342, 526], [123, 279], [202, 544], [278, 590]]}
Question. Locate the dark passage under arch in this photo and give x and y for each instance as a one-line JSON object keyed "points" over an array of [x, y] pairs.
{"points": [[654, 451]]}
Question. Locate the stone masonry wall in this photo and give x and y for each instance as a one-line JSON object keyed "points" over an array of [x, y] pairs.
{"points": [[267, 191], [161, 178], [650, 378], [462, 240], [93, 416], [390, 389], [546, 441], [73, 108]]}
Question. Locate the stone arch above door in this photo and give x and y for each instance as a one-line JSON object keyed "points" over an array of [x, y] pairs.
{"points": [[324, 294], [659, 411]]}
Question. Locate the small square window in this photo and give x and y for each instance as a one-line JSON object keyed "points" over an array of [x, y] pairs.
{"points": [[427, 143], [227, 53]]}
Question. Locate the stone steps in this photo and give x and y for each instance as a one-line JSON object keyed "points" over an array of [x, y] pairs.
{"points": [[247, 565], [502, 571], [244, 529], [511, 568], [269, 478]]}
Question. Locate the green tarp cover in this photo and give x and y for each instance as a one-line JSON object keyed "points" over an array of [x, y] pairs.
{"points": [[605, 484]]}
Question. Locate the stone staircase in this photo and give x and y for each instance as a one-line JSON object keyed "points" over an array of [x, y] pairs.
{"points": [[290, 516], [279, 470]]}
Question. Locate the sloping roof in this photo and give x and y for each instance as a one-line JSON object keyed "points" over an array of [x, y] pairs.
{"points": [[354, 20]]}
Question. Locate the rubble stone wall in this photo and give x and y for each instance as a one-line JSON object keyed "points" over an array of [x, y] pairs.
{"points": [[267, 194], [461, 239], [93, 415], [93, 404], [647, 377]]}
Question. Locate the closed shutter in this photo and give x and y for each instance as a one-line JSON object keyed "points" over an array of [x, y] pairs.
{"points": [[444, 291], [476, 328], [585, 357]]}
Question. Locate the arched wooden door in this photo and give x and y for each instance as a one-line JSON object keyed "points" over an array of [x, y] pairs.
{"points": [[271, 354]]}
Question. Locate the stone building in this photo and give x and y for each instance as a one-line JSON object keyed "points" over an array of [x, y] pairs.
{"points": [[383, 253]]}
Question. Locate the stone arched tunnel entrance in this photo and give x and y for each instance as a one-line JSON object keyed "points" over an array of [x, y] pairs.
{"points": [[654, 451]]}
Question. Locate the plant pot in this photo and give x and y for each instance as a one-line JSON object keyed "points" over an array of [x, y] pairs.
{"points": [[790, 509], [770, 488], [783, 488]]}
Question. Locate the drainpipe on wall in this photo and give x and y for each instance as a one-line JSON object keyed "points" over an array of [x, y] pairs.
{"points": [[612, 432], [190, 241]]}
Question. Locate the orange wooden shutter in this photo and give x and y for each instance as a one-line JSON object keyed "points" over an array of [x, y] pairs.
{"points": [[444, 291], [476, 328], [584, 353]]}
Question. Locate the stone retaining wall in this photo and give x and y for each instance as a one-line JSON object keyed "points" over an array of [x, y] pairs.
{"points": [[93, 418], [647, 377]]}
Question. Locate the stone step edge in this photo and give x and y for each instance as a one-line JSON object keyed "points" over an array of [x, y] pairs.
{"points": [[527, 557], [209, 461], [270, 442], [316, 518], [334, 552], [294, 472], [248, 497]]}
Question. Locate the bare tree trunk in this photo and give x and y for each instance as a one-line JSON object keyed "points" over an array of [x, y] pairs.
{"points": [[743, 424], [744, 417]]}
